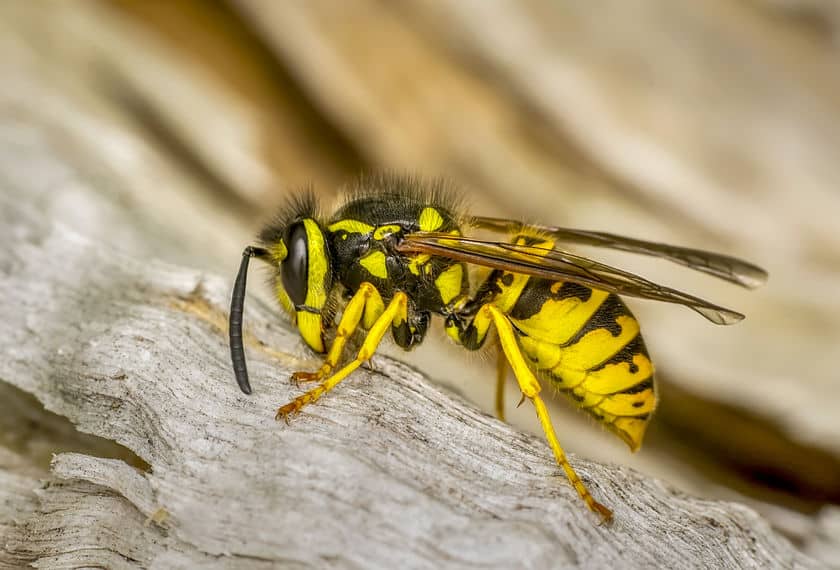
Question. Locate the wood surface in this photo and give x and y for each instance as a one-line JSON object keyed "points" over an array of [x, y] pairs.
{"points": [[142, 144]]}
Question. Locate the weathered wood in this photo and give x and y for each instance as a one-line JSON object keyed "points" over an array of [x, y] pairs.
{"points": [[387, 471], [132, 132]]}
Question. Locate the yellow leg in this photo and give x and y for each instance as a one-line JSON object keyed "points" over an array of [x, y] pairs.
{"points": [[501, 376], [366, 304], [395, 313], [531, 389]]}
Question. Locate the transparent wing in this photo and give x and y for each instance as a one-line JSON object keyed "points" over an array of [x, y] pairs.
{"points": [[560, 266], [724, 267]]}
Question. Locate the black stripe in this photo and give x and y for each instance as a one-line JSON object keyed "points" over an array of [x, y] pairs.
{"points": [[603, 318], [640, 387], [626, 354]]}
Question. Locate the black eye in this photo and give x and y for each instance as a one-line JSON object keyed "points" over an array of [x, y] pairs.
{"points": [[294, 271]]}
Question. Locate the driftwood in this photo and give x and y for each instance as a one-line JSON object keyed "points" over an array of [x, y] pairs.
{"points": [[387, 471], [135, 161]]}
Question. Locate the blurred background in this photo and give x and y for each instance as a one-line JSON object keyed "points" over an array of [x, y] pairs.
{"points": [[172, 129]]}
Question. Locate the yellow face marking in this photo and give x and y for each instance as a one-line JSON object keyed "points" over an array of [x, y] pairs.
{"points": [[316, 292], [278, 251], [309, 325], [449, 283], [430, 220], [374, 263], [382, 231], [351, 226]]}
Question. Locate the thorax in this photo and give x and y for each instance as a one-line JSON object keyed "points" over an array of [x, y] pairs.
{"points": [[363, 243]]}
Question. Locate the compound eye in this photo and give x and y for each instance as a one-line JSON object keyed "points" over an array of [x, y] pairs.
{"points": [[294, 270]]}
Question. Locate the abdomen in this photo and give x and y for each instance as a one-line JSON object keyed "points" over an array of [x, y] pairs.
{"points": [[587, 344]]}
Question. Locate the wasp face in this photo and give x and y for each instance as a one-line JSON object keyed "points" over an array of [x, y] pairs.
{"points": [[304, 277]]}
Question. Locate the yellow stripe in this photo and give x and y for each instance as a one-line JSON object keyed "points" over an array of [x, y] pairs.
{"points": [[558, 321], [615, 378], [598, 346], [374, 263], [623, 404]]}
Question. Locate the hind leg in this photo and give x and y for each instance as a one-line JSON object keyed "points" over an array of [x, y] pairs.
{"points": [[531, 389]]}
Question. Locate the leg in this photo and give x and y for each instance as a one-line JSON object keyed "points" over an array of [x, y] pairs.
{"points": [[366, 304], [394, 314], [531, 389], [501, 376]]}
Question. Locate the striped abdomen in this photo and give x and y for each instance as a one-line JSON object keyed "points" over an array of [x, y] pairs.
{"points": [[587, 343]]}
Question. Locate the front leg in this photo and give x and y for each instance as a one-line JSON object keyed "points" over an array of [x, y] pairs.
{"points": [[393, 315], [365, 306]]}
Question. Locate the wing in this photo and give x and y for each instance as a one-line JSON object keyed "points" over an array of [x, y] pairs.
{"points": [[724, 267], [560, 266]]}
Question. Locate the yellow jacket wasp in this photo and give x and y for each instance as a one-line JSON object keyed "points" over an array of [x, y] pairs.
{"points": [[395, 254]]}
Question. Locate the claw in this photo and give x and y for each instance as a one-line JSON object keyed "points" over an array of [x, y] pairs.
{"points": [[606, 514], [286, 412], [280, 415], [299, 378]]}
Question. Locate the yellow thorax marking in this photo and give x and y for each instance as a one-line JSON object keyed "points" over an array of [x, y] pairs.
{"points": [[351, 226], [382, 231], [418, 261], [449, 282], [374, 263], [430, 220]]}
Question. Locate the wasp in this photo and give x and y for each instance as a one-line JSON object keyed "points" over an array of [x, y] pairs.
{"points": [[395, 254]]}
